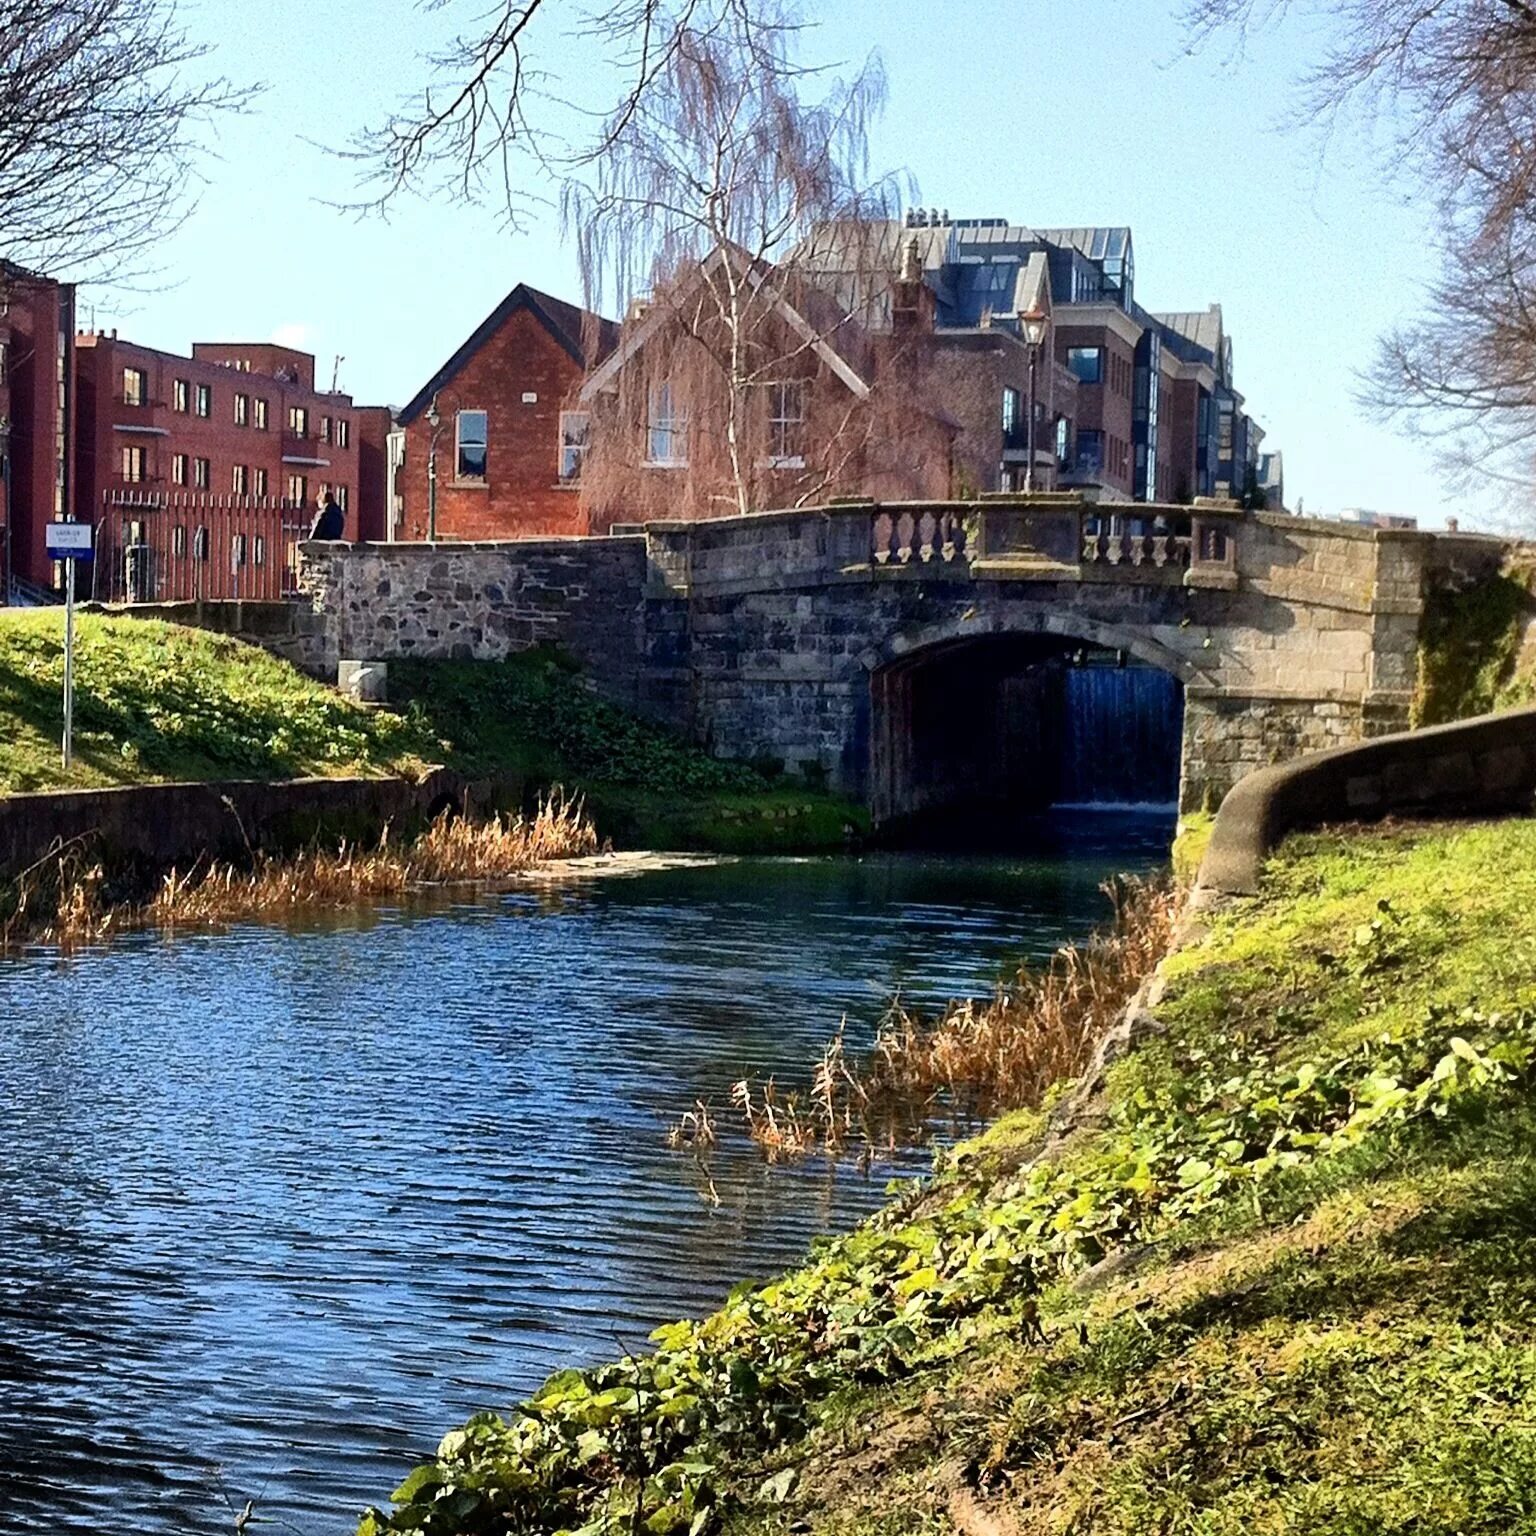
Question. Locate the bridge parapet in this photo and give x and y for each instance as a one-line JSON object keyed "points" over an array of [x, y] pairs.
{"points": [[1050, 537]]}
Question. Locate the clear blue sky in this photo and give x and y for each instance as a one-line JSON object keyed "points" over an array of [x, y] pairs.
{"points": [[1047, 112]]}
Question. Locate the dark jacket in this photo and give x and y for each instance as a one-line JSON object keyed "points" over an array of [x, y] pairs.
{"points": [[330, 522]]}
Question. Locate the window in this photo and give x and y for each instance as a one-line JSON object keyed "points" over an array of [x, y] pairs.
{"points": [[298, 420], [1063, 441], [1087, 363], [339, 492], [666, 429], [259, 481], [786, 424], [261, 414], [325, 429], [343, 432], [204, 400], [181, 396], [242, 410], [135, 386], [258, 550], [179, 469], [471, 428], [574, 436], [240, 480], [236, 551], [200, 544], [298, 490], [133, 464], [201, 475], [2, 361], [1010, 411], [179, 541], [1090, 453]]}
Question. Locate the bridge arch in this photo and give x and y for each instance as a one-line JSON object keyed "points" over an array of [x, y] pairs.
{"points": [[979, 718]]}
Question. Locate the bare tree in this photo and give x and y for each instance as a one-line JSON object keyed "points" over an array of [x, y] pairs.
{"points": [[1453, 82], [98, 130], [712, 198]]}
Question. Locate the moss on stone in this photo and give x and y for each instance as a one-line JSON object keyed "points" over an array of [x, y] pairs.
{"points": [[1469, 642]]}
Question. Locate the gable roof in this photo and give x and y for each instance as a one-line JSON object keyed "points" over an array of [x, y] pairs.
{"points": [[583, 335], [821, 343]]}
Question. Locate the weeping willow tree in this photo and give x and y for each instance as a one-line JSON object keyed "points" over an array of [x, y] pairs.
{"points": [[705, 220]]}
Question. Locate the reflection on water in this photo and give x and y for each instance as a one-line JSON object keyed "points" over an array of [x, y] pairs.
{"points": [[279, 1207]]}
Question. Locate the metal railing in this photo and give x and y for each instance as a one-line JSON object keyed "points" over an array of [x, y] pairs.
{"points": [[157, 547]]}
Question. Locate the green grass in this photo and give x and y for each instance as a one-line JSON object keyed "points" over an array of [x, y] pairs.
{"points": [[535, 716], [1280, 1278], [156, 702]]}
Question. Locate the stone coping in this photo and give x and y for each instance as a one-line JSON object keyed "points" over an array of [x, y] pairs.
{"points": [[1484, 766]]}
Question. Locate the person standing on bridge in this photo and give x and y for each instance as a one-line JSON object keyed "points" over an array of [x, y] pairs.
{"points": [[330, 521]]}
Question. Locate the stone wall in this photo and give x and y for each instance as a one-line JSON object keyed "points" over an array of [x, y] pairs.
{"points": [[1482, 767], [293, 631], [139, 830], [379, 602]]}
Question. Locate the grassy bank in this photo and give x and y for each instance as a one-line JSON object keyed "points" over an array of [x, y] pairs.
{"points": [[157, 702], [1276, 1273], [534, 716]]}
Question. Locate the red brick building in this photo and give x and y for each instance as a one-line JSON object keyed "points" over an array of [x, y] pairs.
{"points": [[37, 335], [202, 472], [508, 443]]}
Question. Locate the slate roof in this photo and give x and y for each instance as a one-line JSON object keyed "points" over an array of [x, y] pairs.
{"points": [[585, 336], [1199, 329]]}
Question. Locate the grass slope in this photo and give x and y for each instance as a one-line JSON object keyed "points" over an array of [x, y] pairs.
{"points": [[156, 702], [1278, 1275]]}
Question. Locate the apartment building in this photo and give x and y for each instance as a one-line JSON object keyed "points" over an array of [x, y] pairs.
{"points": [[37, 332], [203, 471]]}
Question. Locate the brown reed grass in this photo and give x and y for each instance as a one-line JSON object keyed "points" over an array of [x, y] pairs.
{"points": [[64, 900], [974, 1061]]}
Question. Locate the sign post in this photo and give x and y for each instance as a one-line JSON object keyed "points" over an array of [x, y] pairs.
{"points": [[71, 543]]}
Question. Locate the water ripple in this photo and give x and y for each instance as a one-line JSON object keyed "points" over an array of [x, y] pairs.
{"points": [[278, 1207]]}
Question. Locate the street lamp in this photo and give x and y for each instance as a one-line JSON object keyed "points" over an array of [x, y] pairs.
{"points": [[1032, 322], [5, 511], [435, 421]]}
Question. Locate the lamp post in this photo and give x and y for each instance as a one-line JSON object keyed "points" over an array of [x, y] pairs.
{"points": [[1032, 321], [5, 511], [435, 421]]}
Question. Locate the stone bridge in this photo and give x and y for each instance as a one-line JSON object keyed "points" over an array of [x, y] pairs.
{"points": [[917, 655]]}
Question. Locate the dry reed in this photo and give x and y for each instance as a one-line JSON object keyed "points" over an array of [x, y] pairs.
{"points": [[974, 1061], [64, 900]]}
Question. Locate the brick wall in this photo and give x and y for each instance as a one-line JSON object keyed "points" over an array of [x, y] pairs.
{"points": [[520, 494]]}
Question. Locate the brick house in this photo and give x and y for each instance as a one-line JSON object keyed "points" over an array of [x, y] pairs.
{"points": [[37, 340], [509, 438], [203, 472], [820, 405]]}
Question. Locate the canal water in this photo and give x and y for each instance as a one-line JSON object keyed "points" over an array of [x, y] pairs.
{"points": [[278, 1207]]}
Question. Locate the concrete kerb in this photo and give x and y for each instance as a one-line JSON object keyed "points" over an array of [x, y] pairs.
{"points": [[1485, 766]]}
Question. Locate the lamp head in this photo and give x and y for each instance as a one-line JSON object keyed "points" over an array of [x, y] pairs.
{"points": [[1032, 321]]}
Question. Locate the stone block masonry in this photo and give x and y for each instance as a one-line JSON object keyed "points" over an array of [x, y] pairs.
{"points": [[796, 636]]}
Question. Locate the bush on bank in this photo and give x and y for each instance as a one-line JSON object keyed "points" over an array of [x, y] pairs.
{"points": [[1303, 1209]]}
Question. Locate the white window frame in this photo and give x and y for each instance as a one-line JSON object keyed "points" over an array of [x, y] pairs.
{"points": [[666, 428], [139, 393], [573, 446], [784, 425], [482, 442], [203, 401]]}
